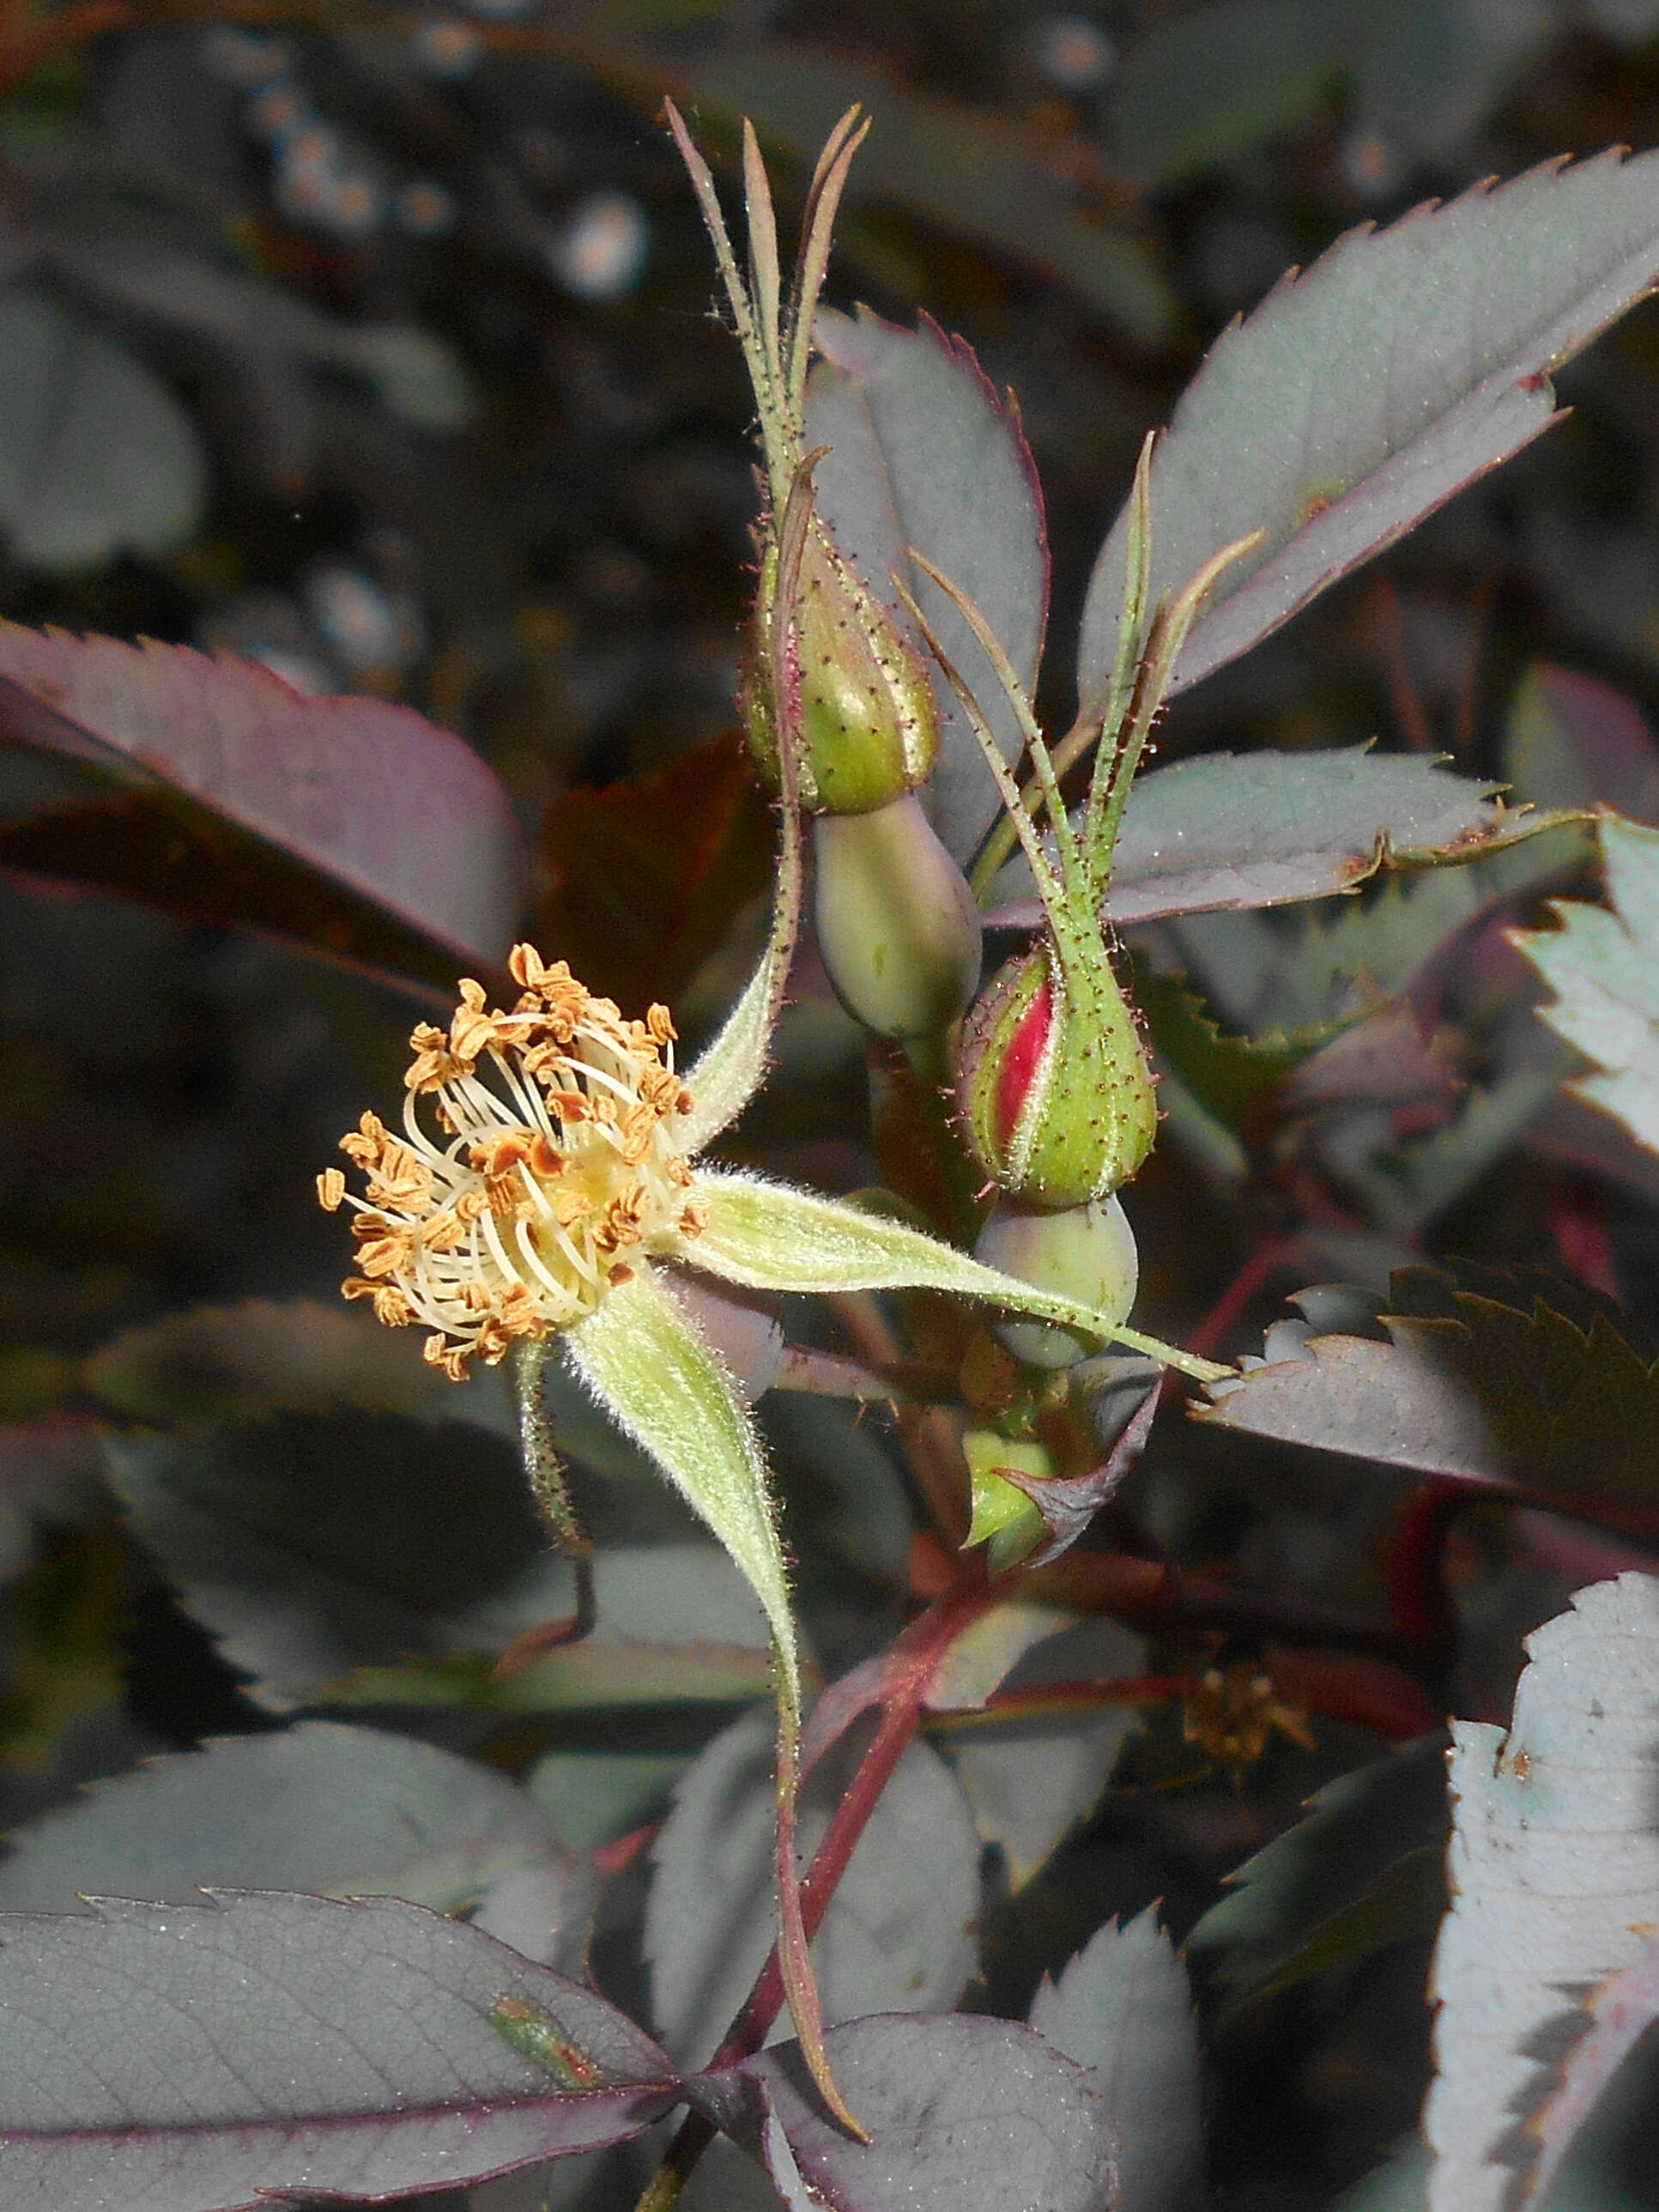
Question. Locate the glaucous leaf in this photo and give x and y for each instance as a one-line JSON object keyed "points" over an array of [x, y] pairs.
{"points": [[386, 2044], [1602, 967], [97, 457], [1362, 1868], [965, 2115], [1031, 1778], [924, 452], [947, 162], [1441, 333], [1225, 830], [317, 1807], [1553, 1866], [1122, 2008], [340, 814], [900, 1932]]}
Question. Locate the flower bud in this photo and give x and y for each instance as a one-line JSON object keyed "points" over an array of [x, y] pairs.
{"points": [[897, 926], [1054, 1086], [868, 720], [1087, 1253]]}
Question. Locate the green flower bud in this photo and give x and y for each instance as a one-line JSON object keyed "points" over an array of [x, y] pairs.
{"points": [[1087, 1252], [896, 924], [868, 719], [1054, 1089]]}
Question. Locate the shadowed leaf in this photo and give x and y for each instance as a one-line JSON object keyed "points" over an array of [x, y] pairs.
{"points": [[1362, 1868], [1472, 1386], [645, 876], [1571, 740], [96, 456], [318, 1807], [899, 1934]]}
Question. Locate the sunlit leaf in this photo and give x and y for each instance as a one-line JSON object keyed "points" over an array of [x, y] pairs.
{"points": [[385, 2044], [1554, 1864], [1223, 831], [1468, 1385], [1603, 968], [1441, 333]]}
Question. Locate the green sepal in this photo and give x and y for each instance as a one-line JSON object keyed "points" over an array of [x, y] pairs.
{"points": [[774, 1238], [1004, 1517]]}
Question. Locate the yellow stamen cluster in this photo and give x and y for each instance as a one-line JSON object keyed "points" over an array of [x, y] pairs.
{"points": [[557, 1159]]}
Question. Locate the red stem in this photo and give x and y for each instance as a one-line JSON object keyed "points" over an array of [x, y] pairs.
{"points": [[913, 1662]]}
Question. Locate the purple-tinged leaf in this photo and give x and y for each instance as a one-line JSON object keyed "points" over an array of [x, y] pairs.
{"points": [[924, 452], [260, 804], [949, 163], [1573, 740], [1470, 1386], [205, 2058], [1225, 830], [965, 2114], [1068, 1503], [1361, 395], [1122, 2008]]}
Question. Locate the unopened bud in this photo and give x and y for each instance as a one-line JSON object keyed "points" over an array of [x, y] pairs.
{"points": [[896, 923], [1054, 1086], [1087, 1253], [867, 719]]}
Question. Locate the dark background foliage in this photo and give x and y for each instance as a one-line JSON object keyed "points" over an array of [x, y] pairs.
{"points": [[219, 228]]}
